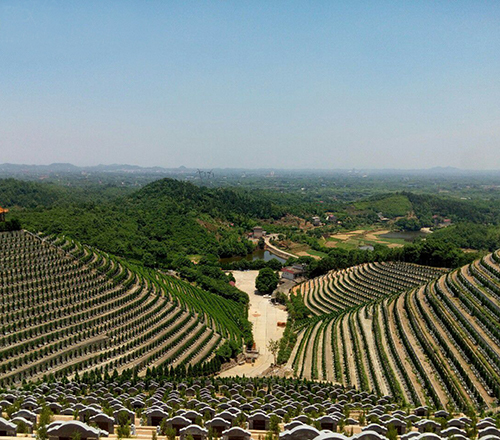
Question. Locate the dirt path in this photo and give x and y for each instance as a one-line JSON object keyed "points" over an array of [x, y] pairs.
{"points": [[472, 321], [309, 353], [264, 317], [379, 376], [329, 356], [404, 358], [349, 352], [429, 369], [464, 362], [385, 345], [276, 251], [289, 364]]}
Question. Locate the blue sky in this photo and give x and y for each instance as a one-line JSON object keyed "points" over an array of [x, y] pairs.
{"points": [[325, 84]]}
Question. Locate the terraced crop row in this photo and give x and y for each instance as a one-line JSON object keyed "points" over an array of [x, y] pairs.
{"points": [[66, 308], [436, 344], [340, 290]]}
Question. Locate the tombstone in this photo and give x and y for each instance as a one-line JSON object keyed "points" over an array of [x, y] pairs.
{"points": [[310, 408], [370, 435], [327, 435], [442, 414], [7, 429], [236, 433], [104, 422], [280, 412], [226, 415], [71, 429], [427, 425], [137, 403], [293, 424], [303, 432], [302, 418], [452, 431], [124, 411], [86, 413], [457, 423], [412, 418], [29, 404], [246, 407], [155, 416], [328, 422], [218, 425], [399, 425], [206, 409], [259, 421], [177, 423], [429, 436], [192, 416], [197, 432], [485, 423], [55, 407], [490, 431], [410, 435], [375, 427], [26, 414], [21, 420]]}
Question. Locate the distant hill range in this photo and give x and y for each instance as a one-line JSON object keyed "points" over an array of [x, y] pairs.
{"points": [[10, 169]]}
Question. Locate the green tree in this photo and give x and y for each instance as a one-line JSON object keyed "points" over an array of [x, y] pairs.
{"points": [[44, 419], [267, 280], [274, 346]]}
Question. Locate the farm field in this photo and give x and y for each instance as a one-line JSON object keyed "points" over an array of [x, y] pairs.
{"points": [[362, 237], [416, 333], [68, 308]]}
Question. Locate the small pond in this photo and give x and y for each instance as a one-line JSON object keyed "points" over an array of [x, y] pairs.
{"points": [[258, 254], [404, 235]]}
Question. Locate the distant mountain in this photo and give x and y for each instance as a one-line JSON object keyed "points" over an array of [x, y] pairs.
{"points": [[126, 168]]}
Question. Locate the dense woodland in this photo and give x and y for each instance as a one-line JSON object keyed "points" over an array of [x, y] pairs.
{"points": [[170, 223]]}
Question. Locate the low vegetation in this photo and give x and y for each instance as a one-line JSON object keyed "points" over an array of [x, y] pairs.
{"points": [[68, 308], [383, 327]]}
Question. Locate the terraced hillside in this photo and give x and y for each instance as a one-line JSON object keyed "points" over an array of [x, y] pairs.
{"points": [[66, 308], [438, 343]]}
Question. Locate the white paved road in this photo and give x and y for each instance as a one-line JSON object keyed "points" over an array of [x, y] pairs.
{"points": [[264, 316]]}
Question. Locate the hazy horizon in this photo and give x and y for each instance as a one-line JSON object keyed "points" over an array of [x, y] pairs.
{"points": [[283, 85]]}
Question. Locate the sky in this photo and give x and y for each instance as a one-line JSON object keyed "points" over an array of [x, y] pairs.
{"points": [[251, 84]]}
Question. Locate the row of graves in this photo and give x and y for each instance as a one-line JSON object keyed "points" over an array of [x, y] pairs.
{"points": [[228, 409]]}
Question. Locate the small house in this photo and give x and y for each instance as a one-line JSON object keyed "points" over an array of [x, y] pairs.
{"points": [[292, 272], [316, 221], [3, 211], [258, 232]]}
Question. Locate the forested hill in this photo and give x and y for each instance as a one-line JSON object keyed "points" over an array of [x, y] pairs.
{"points": [[157, 224], [225, 204]]}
